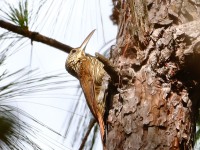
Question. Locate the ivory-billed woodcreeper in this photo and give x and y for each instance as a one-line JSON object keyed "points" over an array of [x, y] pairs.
{"points": [[89, 71]]}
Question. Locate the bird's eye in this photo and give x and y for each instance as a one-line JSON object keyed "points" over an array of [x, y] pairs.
{"points": [[74, 50]]}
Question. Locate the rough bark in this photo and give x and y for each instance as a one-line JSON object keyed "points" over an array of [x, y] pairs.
{"points": [[157, 53]]}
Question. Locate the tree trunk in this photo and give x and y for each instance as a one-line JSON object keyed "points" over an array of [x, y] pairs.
{"points": [[157, 53]]}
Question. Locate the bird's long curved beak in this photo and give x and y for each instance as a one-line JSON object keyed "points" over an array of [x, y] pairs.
{"points": [[84, 44]]}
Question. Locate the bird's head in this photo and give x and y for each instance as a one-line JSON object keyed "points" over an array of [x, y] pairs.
{"points": [[76, 54]]}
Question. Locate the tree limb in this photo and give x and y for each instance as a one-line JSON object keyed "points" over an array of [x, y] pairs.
{"points": [[35, 36], [109, 68]]}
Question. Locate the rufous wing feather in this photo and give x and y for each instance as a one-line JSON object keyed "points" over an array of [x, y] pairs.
{"points": [[88, 87], [87, 84]]}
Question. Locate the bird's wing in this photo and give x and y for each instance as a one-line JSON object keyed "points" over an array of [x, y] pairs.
{"points": [[88, 87]]}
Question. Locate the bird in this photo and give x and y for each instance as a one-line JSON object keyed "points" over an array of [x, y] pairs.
{"points": [[90, 72]]}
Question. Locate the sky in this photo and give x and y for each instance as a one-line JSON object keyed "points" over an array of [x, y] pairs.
{"points": [[68, 22]]}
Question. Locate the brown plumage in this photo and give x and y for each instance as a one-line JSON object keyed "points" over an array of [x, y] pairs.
{"points": [[89, 71]]}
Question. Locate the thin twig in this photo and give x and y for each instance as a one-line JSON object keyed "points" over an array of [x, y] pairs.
{"points": [[92, 122]]}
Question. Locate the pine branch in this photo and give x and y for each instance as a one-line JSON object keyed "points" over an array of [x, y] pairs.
{"points": [[109, 67], [35, 36]]}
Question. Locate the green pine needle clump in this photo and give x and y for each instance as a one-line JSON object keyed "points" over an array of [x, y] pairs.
{"points": [[18, 16], [15, 133]]}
